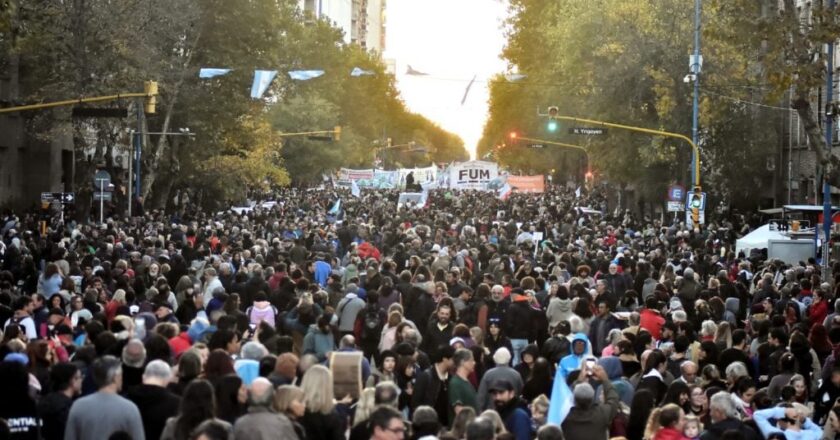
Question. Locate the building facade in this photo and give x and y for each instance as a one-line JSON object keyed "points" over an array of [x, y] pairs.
{"points": [[362, 21]]}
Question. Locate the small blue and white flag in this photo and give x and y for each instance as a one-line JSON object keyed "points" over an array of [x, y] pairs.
{"points": [[355, 190], [560, 403], [336, 208], [262, 79], [504, 192], [303, 75], [358, 71], [210, 72]]}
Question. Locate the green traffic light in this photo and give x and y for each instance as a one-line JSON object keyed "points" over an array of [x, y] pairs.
{"points": [[552, 125], [695, 202]]}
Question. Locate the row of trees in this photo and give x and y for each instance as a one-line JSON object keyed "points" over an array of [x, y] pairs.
{"points": [[626, 62], [94, 47]]}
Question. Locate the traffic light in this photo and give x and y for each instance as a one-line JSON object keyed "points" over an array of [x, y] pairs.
{"points": [[150, 88], [337, 133], [552, 121], [695, 205], [513, 135]]}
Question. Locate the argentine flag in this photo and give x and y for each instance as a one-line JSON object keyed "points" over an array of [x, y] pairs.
{"points": [[355, 190], [303, 75], [358, 71], [336, 208], [560, 403], [209, 72], [504, 192], [262, 79]]}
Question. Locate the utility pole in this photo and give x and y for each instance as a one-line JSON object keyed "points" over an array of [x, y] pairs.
{"points": [[829, 126], [696, 67]]}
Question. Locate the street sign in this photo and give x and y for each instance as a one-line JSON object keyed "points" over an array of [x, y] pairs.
{"points": [[63, 198], [101, 180], [537, 146], [690, 196], [103, 196], [675, 206], [589, 131], [675, 193]]}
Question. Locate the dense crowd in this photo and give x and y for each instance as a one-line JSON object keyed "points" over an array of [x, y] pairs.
{"points": [[471, 317]]}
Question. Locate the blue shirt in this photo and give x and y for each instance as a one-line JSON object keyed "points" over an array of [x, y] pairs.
{"points": [[809, 431]]}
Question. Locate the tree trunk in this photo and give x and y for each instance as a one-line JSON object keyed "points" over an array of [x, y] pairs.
{"points": [[816, 137], [154, 158]]}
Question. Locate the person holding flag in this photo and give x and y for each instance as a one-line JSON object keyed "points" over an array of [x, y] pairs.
{"points": [[577, 411]]}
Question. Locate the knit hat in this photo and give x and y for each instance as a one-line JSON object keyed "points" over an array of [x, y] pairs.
{"points": [[501, 356]]}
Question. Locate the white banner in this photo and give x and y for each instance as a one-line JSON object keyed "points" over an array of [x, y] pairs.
{"points": [[475, 174]]}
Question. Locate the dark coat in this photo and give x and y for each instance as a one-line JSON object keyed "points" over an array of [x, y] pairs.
{"points": [[156, 404], [519, 321], [426, 388], [716, 430], [323, 426], [53, 409]]}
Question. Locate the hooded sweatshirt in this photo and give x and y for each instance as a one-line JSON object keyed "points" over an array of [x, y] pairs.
{"points": [[559, 310], [573, 361], [262, 311], [730, 315], [612, 365]]}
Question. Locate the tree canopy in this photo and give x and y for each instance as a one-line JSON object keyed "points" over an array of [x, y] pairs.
{"points": [[97, 47]]}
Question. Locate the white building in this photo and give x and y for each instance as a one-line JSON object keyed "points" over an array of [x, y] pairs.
{"points": [[363, 21]]}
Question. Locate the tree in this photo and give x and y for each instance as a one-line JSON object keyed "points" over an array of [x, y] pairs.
{"points": [[625, 62]]}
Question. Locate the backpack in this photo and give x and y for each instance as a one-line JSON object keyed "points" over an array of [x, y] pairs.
{"points": [[371, 324]]}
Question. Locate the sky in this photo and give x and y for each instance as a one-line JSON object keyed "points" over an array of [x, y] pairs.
{"points": [[452, 41]]}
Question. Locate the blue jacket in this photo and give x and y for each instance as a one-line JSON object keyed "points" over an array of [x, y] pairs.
{"points": [[322, 272], [318, 343], [572, 361]]}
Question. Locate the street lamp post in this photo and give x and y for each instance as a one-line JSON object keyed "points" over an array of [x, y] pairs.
{"points": [[696, 67]]}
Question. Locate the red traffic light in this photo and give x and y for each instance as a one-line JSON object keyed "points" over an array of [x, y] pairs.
{"points": [[513, 135]]}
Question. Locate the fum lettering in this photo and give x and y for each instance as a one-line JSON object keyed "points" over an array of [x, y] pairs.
{"points": [[474, 175]]}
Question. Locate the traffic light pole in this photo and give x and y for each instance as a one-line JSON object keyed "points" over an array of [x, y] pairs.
{"points": [[694, 148], [21, 108], [336, 132]]}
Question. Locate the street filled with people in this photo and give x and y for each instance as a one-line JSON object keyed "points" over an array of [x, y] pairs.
{"points": [[332, 315]]}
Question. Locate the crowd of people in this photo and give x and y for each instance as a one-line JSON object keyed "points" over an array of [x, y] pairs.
{"points": [[468, 318]]}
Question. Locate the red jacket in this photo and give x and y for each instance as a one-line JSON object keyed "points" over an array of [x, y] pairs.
{"points": [[651, 321], [817, 312], [669, 434]]}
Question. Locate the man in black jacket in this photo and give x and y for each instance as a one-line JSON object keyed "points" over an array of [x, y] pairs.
{"points": [[519, 321], [725, 418], [66, 381], [155, 402], [432, 385], [439, 330]]}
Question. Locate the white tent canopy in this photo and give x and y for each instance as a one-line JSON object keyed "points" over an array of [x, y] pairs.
{"points": [[758, 239]]}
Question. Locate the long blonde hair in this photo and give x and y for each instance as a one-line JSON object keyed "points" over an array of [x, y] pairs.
{"points": [[365, 405], [284, 396], [317, 387]]}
